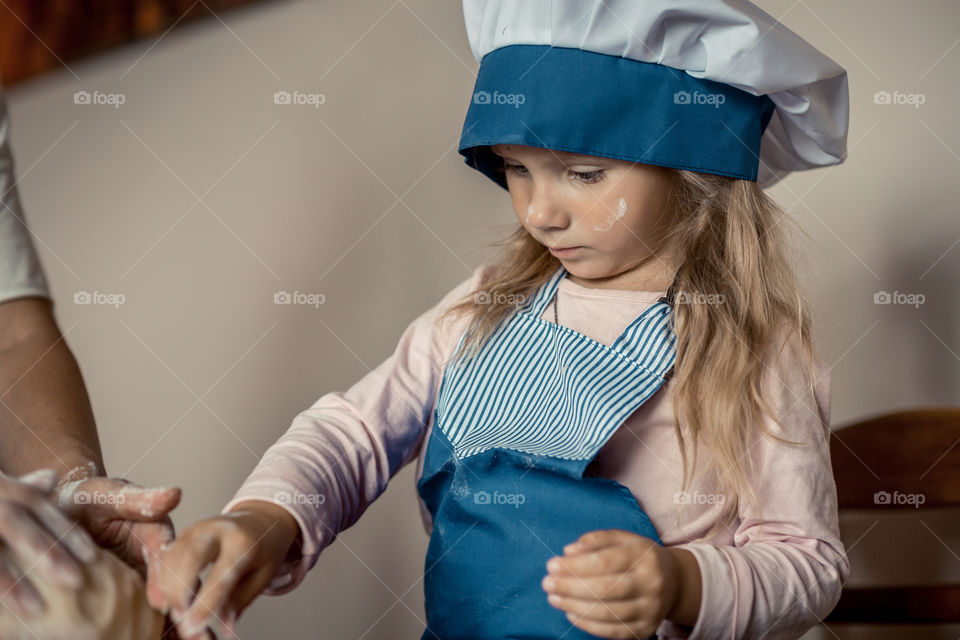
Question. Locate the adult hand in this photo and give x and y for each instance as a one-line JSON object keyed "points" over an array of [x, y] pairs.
{"points": [[33, 529], [129, 520]]}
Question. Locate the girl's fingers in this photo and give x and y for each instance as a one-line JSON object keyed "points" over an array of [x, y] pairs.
{"points": [[227, 627], [603, 561], [243, 594], [155, 535], [614, 587], [180, 565], [144, 543], [155, 595], [598, 539], [16, 592], [624, 611], [611, 629], [36, 547], [252, 586], [229, 568]]}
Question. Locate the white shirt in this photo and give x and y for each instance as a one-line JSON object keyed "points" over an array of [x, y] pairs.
{"points": [[21, 274]]}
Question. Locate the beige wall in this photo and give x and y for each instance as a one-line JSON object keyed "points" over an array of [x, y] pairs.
{"points": [[199, 372]]}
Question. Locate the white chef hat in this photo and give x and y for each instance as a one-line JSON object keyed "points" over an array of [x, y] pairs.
{"points": [[715, 86]]}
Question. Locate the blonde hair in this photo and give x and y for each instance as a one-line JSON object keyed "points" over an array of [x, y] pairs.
{"points": [[729, 242]]}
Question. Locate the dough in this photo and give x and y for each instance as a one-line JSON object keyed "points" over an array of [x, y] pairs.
{"points": [[111, 605]]}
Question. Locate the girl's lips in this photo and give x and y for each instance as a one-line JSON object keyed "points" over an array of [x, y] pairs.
{"points": [[564, 252]]}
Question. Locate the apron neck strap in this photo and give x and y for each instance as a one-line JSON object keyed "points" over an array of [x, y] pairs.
{"points": [[545, 292], [671, 294]]}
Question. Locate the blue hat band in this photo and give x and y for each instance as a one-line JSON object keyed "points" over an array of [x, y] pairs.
{"points": [[591, 103]]}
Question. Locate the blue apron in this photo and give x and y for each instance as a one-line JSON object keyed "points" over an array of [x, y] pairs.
{"points": [[507, 473]]}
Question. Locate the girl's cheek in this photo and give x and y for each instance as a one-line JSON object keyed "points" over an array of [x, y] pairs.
{"points": [[610, 215]]}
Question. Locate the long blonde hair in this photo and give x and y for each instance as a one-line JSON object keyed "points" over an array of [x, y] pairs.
{"points": [[730, 244]]}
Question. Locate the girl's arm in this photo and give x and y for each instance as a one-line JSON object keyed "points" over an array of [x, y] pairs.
{"points": [[338, 456], [315, 481], [787, 566]]}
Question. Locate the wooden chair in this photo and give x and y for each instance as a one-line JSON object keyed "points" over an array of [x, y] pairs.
{"points": [[911, 452]]}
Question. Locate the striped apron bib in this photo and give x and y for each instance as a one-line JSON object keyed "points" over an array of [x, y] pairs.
{"points": [[507, 475]]}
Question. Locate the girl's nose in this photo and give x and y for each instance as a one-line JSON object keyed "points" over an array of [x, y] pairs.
{"points": [[543, 212]]}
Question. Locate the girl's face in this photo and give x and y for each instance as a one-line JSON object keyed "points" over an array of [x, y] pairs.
{"points": [[616, 213]]}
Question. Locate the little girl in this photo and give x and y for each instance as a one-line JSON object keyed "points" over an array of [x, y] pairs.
{"points": [[644, 309]]}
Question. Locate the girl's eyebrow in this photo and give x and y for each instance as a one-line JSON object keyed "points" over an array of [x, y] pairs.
{"points": [[575, 156], [563, 155]]}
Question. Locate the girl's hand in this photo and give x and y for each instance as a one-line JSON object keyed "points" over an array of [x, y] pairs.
{"points": [[614, 584], [245, 546]]}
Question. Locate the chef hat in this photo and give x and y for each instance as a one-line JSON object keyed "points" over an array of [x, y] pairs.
{"points": [[715, 86]]}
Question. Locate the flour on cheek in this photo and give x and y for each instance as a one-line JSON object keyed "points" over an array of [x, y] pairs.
{"points": [[621, 211]]}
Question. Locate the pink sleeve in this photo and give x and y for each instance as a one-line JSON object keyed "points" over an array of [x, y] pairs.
{"points": [[338, 456], [786, 569]]}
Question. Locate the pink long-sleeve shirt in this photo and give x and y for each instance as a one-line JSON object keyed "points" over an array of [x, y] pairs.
{"points": [[775, 575]]}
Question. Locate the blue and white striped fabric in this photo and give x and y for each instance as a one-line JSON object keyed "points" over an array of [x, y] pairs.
{"points": [[563, 403]]}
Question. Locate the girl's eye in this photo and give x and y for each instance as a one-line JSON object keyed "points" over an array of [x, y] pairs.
{"points": [[588, 177]]}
